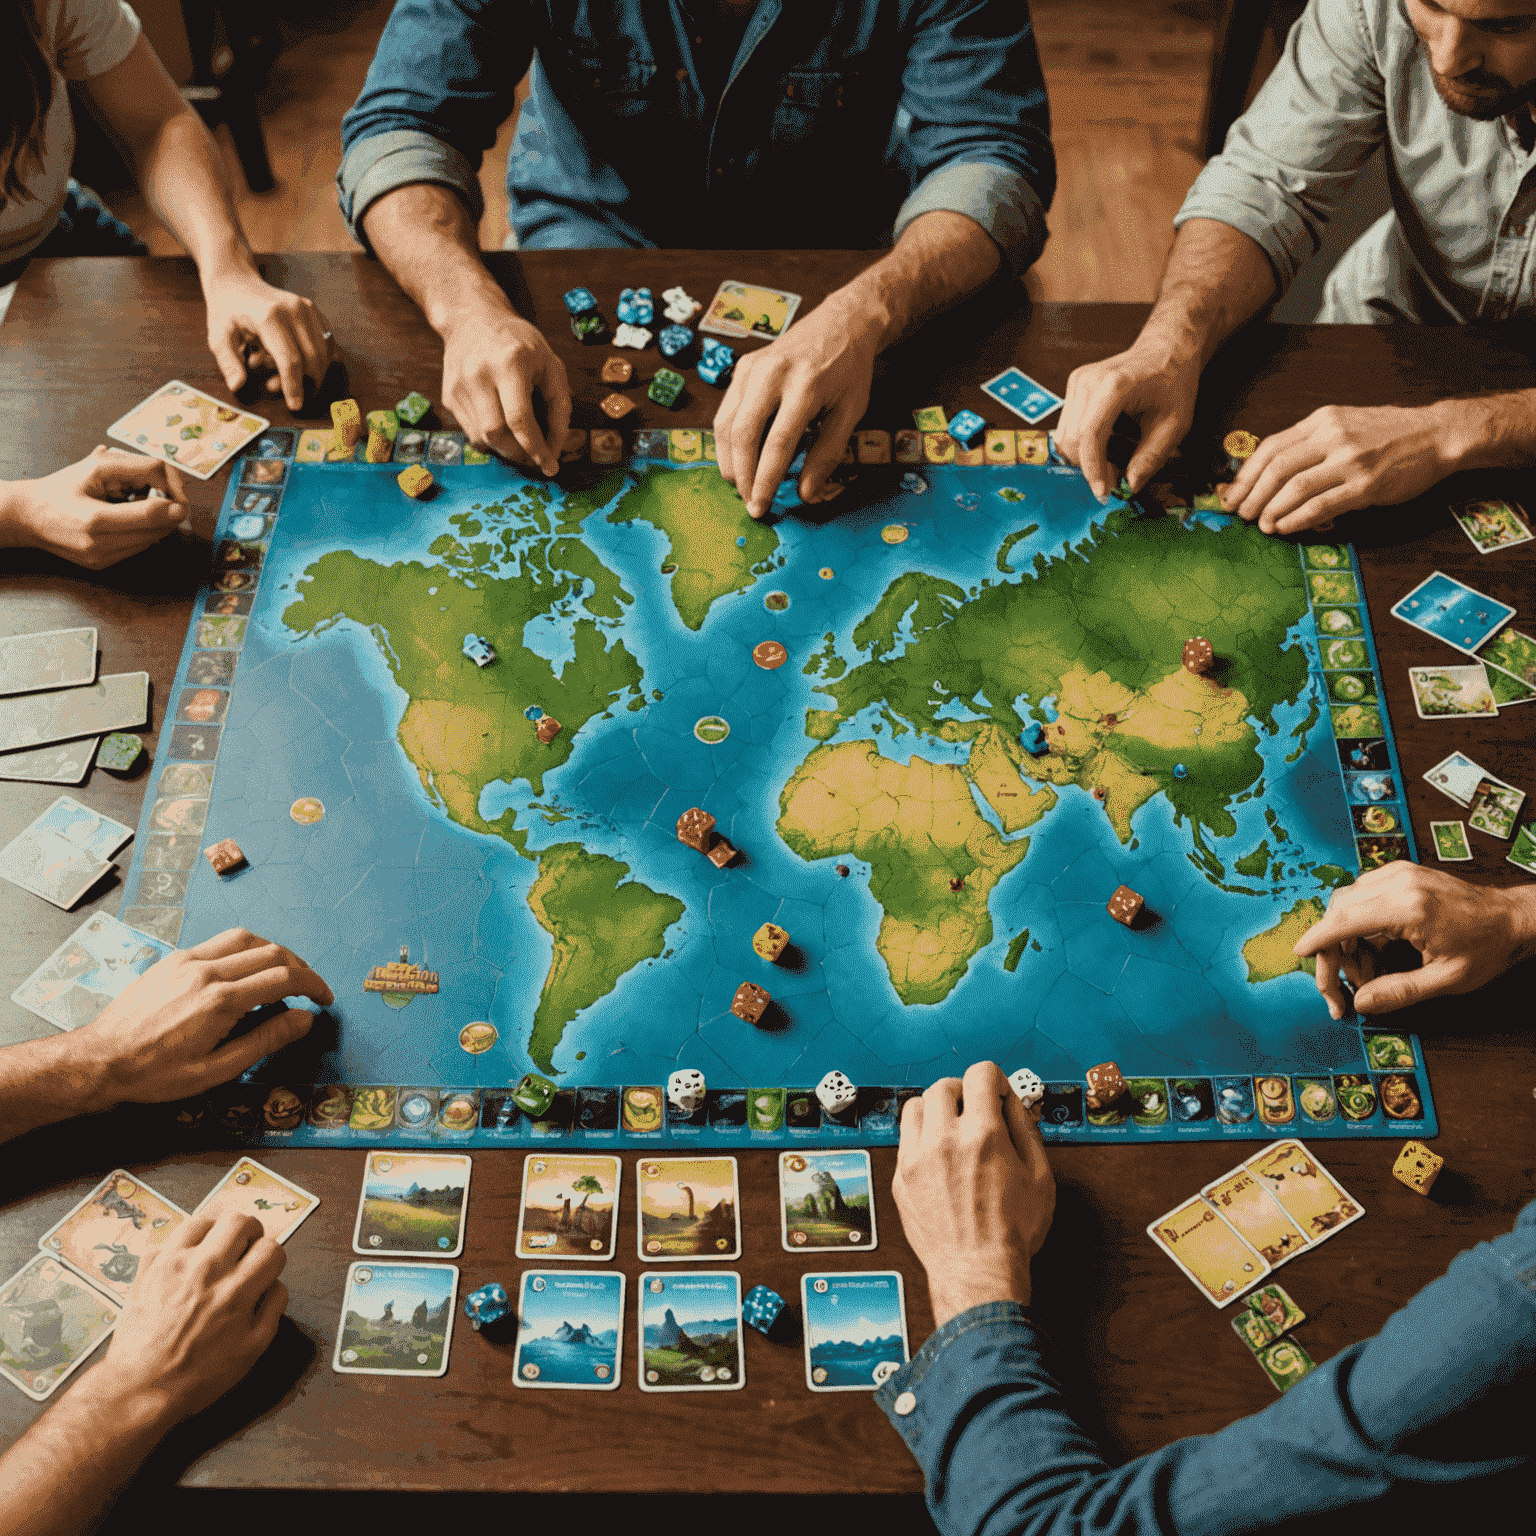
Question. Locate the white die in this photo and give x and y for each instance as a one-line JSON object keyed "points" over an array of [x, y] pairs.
{"points": [[1028, 1087], [635, 336], [685, 1089], [836, 1093]]}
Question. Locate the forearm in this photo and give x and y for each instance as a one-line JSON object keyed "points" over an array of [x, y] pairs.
{"points": [[15, 527], [1216, 280], [1489, 432], [47, 1080]]}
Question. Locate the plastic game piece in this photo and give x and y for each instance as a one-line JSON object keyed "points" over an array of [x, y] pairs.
{"points": [[721, 853], [695, 828], [769, 941], [998, 446], [681, 306], [487, 1306], [413, 409], [1028, 1086], [1417, 1167], [1125, 905], [873, 446], [665, 388], [416, 480], [119, 751], [635, 306], [590, 329], [966, 428], [579, 301], [547, 729], [1199, 655], [843, 871], [533, 1095], [1239, 447], [386, 422], [606, 446], [1105, 1085], [907, 447], [224, 856], [574, 448], [635, 336], [761, 1309], [347, 420], [930, 418], [1180, 771], [1033, 739], [716, 361], [751, 1002], [479, 650], [617, 370], [938, 448], [674, 342], [615, 407], [380, 448], [836, 1093], [685, 1090]]}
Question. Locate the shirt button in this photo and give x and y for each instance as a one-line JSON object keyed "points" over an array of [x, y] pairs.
{"points": [[905, 1404]]}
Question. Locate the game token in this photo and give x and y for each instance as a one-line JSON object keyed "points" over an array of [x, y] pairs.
{"points": [[666, 387], [769, 655], [487, 1306], [965, 428], [762, 1309], [1417, 1167], [224, 856], [681, 306], [616, 406], [346, 423], [750, 1002], [635, 336], [413, 409], [579, 301], [769, 941], [617, 370], [416, 480], [635, 306], [478, 1038], [873, 446], [1125, 906], [119, 751], [895, 533], [590, 329], [380, 448]]}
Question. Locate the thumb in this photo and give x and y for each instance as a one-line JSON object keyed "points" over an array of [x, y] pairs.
{"points": [[1387, 993], [827, 451], [271, 1035], [221, 344], [1153, 451]]}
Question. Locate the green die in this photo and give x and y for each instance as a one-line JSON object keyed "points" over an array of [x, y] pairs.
{"points": [[665, 388], [413, 408], [119, 751], [533, 1095], [475, 456], [386, 422]]}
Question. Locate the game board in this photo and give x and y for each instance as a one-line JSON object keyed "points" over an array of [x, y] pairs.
{"points": [[845, 689]]}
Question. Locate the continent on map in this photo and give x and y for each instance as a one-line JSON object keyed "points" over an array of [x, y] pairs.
{"points": [[1269, 954]]}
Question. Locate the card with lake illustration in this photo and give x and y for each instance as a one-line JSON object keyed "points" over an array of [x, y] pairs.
{"points": [[570, 1330], [855, 1330], [413, 1205]]}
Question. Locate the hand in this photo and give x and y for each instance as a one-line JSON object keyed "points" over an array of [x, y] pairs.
{"points": [[824, 364], [203, 1311], [80, 512], [974, 1190], [163, 1037], [1466, 935], [493, 362], [252, 325], [1142, 383], [1337, 459]]}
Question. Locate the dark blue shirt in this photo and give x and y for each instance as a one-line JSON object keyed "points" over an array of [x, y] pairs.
{"points": [[840, 121], [1429, 1424]]}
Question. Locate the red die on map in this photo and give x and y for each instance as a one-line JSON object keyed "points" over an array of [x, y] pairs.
{"points": [[1199, 657], [750, 1002], [1125, 905], [694, 828], [224, 856], [547, 729]]}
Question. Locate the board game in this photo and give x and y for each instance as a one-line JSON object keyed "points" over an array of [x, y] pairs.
{"points": [[937, 722]]}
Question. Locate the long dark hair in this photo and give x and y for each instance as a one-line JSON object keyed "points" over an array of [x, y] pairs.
{"points": [[26, 93]]}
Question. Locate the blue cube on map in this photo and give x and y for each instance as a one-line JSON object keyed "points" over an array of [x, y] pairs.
{"points": [[635, 306], [966, 428], [761, 1308], [674, 341], [716, 362], [580, 301]]}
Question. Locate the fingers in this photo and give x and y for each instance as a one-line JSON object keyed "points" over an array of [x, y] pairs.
{"points": [[255, 959], [1386, 994], [982, 1089], [517, 411], [1348, 918], [1328, 983], [232, 941], [723, 427], [270, 1313], [941, 1108], [269, 1037], [827, 451], [1317, 513], [224, 1243], [911, 1129], [1158, 441], [257, 1270], [286, 357], [789, 426], [274, 984], [556, 389], [225, 346]]}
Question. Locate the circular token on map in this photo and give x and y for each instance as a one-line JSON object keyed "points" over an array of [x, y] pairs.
{"points": [[776, 602], [307, 811], [769, 654], [894, 533], [711, 730], [826, 573], [478, 1037]]}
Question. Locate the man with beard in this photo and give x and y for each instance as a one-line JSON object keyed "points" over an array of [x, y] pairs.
{"points": [[1444, 90]]}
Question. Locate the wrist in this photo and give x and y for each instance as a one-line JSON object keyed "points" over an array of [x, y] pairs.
{"points": [[1522, 920], [1468, 434], [952, 1295], [135, 1410], [466, 303], [226, 259]]}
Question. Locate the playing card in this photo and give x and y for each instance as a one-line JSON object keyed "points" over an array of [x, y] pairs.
{"points": [[117, 702], [1512, 652], [688, 1209], [1209, 1251], [1253, 1214], [1285, 1362], [570, 1330], [1451, 611], [396, 1320], [1309, 1193], [88, 971], [826, 1200], [1272, 1305], [1450, 841], [1456, 777], [1494, 809], [1439, 692], [249, 1189], [112, 1231], [1508, 689], [179, 425], [855, 1330], [66, 763], [1523, 854], [53, 658], [1492, 525], [61, 855], [748, 309], [412, 1204], [690, 1332], [50, 1320], [1022, 395], [570, 1207]]}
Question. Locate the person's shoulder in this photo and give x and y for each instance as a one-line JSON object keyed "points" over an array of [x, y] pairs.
{"points": [[87, 37]]}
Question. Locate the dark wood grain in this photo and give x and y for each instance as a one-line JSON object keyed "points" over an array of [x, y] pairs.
{"points": [[1145, 1357]]}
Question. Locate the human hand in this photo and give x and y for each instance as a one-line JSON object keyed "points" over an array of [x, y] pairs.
{"points": [[252, 325], [493, 362], [824, 364], [163, 1037], [1144, 383], [80, 512], [974, 1190], [1337, 459], [1466, 935]]}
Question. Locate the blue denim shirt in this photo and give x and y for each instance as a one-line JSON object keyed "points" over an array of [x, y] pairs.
{"points": [[1432, 1419], [841, 121]]}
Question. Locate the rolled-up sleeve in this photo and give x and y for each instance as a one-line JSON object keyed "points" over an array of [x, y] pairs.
{"points": [[974, 124], [92, 36], [1291, 158]]}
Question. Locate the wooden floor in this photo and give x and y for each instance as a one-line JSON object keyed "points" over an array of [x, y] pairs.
{"points": [[1126, 81]]}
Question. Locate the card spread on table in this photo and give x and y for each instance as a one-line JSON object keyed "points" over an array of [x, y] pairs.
{"points": [[826, 1200], [117, 702], [1451, 845], [1254, 1215], [855, 1329], [1266, 1314], [1452, 611], [52, 658], [1022, 395], [67, 762], [570, 1207], [689, 1209], [749, 309], [112, 1231], [1319, 1205], [1443, 692], [1456, 777], [570, 1330], [88, 971], [690, 1332], [1523, 853], [1209, 1251], [1495, 807], [413, 1204], [1492, 525], [396, 1320], [64, 852], [249, 1189], [50, 1320], [1512, 652], [182, 426]]}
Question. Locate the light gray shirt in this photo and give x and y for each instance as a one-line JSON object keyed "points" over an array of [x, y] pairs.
{"points": [[1455, 246]]}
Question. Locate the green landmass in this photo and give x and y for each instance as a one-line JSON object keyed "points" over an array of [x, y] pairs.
{"points": [[1006, 547], [1254, 864], [1016, 950], [602, 926], [1269, 954], [702, 517]]}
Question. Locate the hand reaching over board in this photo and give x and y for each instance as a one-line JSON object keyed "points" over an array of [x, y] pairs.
{"points": [[252, 325]]}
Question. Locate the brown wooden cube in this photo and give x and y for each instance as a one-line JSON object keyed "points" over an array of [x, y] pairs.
{"points": [[695, 827], [616, 406], [226, 856], [1417, 1167], [607, 446], [617, 370], [547, 729], [1105, 1085], [721, 853], [1199, 657], [1125, 905], [750, 1002], [874, 446]]}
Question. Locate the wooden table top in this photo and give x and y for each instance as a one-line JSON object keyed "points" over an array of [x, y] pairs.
{"points": [[1144, 1356]]}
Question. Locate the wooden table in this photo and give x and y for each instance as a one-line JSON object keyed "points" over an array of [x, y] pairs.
{"points": [[1147, 1358]]}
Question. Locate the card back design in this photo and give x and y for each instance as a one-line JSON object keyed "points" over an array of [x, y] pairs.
{"points": [[107, 1237], [570, 1207], [251, 1189], [689, 1209], [412, 1205], [855, 1330], [570, 1330], [690, 1332], [396, 1320], [50, 1321], [826, 1200]]}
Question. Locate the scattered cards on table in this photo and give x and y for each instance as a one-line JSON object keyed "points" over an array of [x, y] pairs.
{"points": [[570, 1330], [52, 658], [1495, 807], [1450, 610], [1523, 854], [1492, 525], [1456, 777], [413, 1205], [855, 1330], [107, 1237], [690, 1332], [1442, 692], [182, 426], [117, 702], [1511, 655], [749, 309], [50, 1320], [64, 763], [396, 1320], [250, 1189], [88, 971], [570, 1207], [64, 852], [689, 1209], [1022, 395], [1450, 841], [826, 1200]]}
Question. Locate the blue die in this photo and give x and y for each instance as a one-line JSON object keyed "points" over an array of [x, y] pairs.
{"points": [[966, 428], [487, 1306], [580, 301], [674, 341], [716, 363], [760, 1308], [635, 307]]}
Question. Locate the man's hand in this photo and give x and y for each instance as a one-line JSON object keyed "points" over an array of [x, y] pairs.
{"points": [[493, 363], [252, 325], [824, 364], [1339, 458], [164, 1036], [974, 1190], [81, 513], [1466, 935]]}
